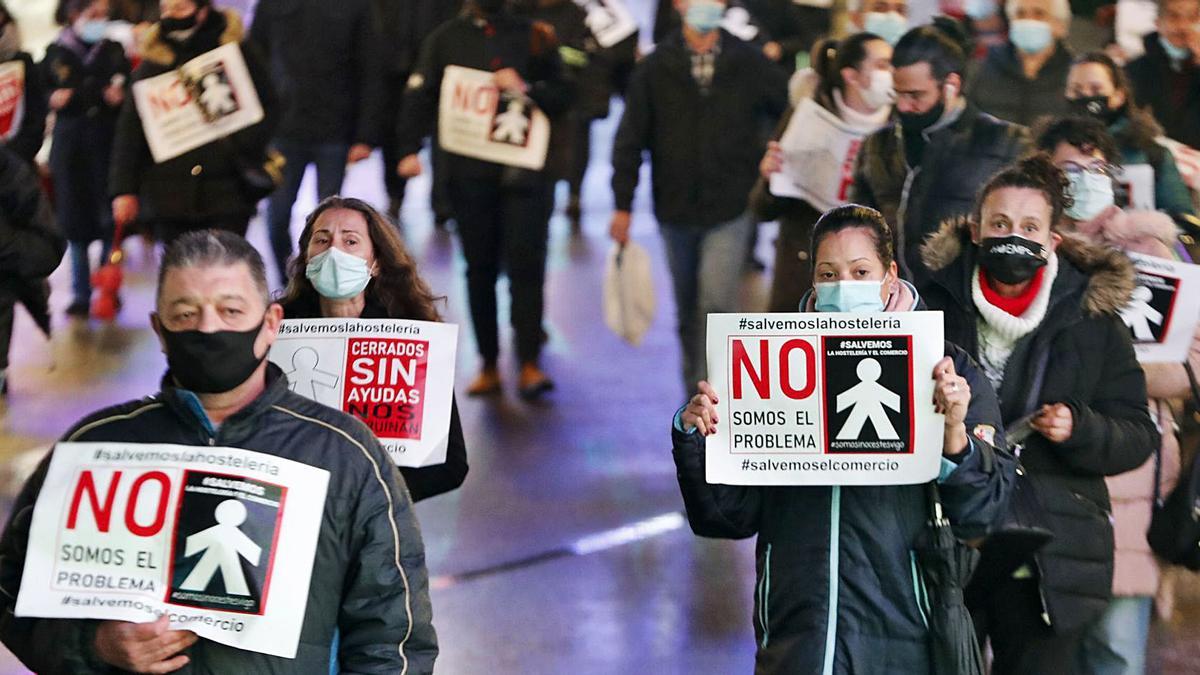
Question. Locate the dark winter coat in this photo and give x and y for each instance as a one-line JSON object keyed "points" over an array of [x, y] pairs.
{"points": [[403, 26], [205, 182], [793, 25], [31, 245], [704, 148], [1134, 135], [369, 579], [83, 132], [1173, 95], [1092, 369], [1000, 87], [864, 534], [504, 42], [958, 159], [325, 60], [423, 482], [29, 136]]}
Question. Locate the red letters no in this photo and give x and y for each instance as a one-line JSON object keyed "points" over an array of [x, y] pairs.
{"points": [[102, 515], [160, 516], [810, 365], [761, 378]]}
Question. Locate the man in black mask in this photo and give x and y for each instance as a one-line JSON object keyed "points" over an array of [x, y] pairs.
{"points": [[369, 583], [928, 166]]}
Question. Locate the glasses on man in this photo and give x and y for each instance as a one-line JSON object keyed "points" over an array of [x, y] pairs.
{"points": [[1099, 168]]}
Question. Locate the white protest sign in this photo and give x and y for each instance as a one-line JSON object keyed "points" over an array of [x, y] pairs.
{"points": [[1138, 181], [475, 119], [818, 157], [1164, 309], [608, 20], [12, 98], [824, 399], [219, 539], [205, 99], [396, 375]]}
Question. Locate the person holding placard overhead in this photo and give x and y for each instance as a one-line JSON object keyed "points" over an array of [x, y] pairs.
{"points": [[352, 264], [838, 583], [502, 210], [1039, 311], [1084, 149]]}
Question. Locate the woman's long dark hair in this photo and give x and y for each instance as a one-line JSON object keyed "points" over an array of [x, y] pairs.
{"points": [[1143, 128], [398, 288], [830, 56], [1035, 172]]}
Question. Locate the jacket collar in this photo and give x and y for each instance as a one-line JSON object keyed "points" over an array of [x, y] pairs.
{"points": [[223, 25], [186, 405]]}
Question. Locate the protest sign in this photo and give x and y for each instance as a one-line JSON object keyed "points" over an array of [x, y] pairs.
{"points": [[1138, 182], [608, 20], [219, 539], [395, 375], [1164, 309], [205, 99], [818, 157], [824, 399], [12, 98], [478, 120]]}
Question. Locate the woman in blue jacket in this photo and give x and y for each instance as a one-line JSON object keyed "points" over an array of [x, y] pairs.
{"points": [[838, 582]]}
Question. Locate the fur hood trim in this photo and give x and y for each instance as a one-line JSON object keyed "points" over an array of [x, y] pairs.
{"points": [[154, 47]]}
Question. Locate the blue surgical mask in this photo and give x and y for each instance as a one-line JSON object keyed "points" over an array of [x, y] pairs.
{"points": [[859, 297], [1174, 53], [337, 275], [1030, 35], [92, 31], [1092, 193], [979, 9], [890, 26], [704, 15]]}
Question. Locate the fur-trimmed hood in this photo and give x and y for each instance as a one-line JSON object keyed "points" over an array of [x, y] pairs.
{"points": [[1110, 273], [155, 48]]}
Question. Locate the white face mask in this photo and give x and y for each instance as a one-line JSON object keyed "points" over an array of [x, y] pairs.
{"points": [[881, 92], [337, 275]]}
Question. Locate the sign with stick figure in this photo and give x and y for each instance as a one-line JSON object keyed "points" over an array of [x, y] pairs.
{"points": [[395, 375], [1163, 309], [477, 120], [608, 20], [221, 540], [824, 399]]}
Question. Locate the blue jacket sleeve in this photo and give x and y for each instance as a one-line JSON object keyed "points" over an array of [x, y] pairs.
{"points": [[720, 511]]}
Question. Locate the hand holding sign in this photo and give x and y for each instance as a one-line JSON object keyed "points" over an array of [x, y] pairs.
{"points": [[701, 411], [143, 647], [1055, 422], [409, 166], [952, 398]]}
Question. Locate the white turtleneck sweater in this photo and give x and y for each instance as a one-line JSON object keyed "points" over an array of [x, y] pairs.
{"points": [[865, 123], [999, 331]]}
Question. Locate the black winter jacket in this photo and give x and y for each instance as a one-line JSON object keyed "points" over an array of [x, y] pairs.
{"points": [[1000, 87], [1173, 96], [958, 159], [871, 616], [205, 182], [1091, 367], [704, 148], [29, 136], [31, 245], [369, 579], [426, 481], [403, 26], [325, 60]]}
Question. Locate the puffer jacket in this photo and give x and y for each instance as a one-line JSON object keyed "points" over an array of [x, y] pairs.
{"points": [[369, 579], [1136, 570], [836, 573], [959, 157], [1091, 367], [1000, 87]]}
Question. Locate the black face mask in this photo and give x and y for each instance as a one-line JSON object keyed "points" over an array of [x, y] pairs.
{"points": [[917, 122], [1011, 259], [1095, 107], [170, 25], [211, 363], [490, 6]]}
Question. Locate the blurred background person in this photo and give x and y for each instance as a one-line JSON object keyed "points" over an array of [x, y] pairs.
{"points": [[1023, 79], [1167, 77], [23, 118], [86, 75], [352, 265]]}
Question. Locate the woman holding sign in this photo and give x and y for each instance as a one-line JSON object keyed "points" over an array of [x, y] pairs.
{"points": [[838, 584], [351, 264], [1039, 310]]}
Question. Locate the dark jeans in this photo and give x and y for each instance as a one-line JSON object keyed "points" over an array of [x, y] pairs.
{"points": [[1022, 643], [393, 101], [81, 268], [504, 228], [8, 301], [330, 159], [581, 152]]}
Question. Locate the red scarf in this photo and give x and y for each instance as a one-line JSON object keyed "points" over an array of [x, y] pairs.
{"points": [[1015, 306]]}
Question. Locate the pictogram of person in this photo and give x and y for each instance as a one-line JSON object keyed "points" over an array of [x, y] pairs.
{"points": [[599, 18], [305, 376], [216, 96], [1139, 314], [868, 398], [223, 545], [512, 124]]}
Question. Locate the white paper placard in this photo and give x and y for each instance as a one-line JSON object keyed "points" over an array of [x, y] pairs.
{"points": [[475, 119], [818, 157], [396, 375], [220, 539], [608, 20], [825, 399], [1164, 309], [1138, 180], [208, 98]]}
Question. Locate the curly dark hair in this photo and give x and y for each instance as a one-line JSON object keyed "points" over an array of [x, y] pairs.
{"points": [[847, 216], [398, 288], [1086, 133], [1036, 172]]}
